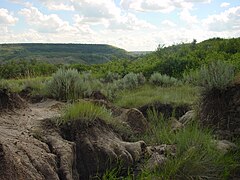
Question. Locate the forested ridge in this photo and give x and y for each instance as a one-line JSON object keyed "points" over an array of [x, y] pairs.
{"points": [[61, 53], [176, 60]]}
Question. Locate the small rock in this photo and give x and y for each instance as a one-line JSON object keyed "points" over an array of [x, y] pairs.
{"points": [[136, 120], [187, 117], [175, 124], [162, 149], [156, 161], [225, 146]]}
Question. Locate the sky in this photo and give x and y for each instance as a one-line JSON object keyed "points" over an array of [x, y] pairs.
{"points": [[134, 25]]}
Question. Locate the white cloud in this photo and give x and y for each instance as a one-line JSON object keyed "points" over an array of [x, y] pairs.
{"points": [[60, 6], [6, 18], [228, 20], [107, 14], [45, 23], [129, 22], [225, 4], [96, 9], [104, 21], [57, 4], [168, 23], [21, 2], [164, 6], [186, 16]]}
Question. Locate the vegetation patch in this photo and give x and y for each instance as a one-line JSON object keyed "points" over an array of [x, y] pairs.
{"points": [[65, 85], [163, 80], [149, 94], [85, 112], [197, 156]]}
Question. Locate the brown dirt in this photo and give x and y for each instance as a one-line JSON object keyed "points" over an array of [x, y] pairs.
{"points": [[167, 110], [32, 147], [10, 101], [22, 155], [220, 109]]}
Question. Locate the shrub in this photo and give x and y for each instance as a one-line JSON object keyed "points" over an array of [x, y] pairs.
{"points": [[216, 75], [110, 90], [131, 81], [36, 84], [111, 77], [191, 77], [65, 85], [163, 80]]}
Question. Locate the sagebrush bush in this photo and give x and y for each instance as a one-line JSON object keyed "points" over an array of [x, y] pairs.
{"points": [[38, 86], [216, 75], [191, 77], [131, 81], [111, 77], [66, 85], [158, 79], [110, 90]]}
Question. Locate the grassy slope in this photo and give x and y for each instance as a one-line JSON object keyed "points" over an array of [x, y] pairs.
{"points": [[61, 53], [148, 94]]}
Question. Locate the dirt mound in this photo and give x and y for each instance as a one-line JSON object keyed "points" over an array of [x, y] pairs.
{"points": [[33, 147], [10, 101], [97, 95], [28, 95], [133, 117], [220, 109], [167, 110], [98, 148]]}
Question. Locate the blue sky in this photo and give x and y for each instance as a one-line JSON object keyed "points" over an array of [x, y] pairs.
{"points": [[129, 24]]}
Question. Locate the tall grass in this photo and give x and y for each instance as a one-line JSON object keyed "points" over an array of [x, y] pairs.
{"points": [[86, 112], [16, 85], [148, 94], [196, 157]]}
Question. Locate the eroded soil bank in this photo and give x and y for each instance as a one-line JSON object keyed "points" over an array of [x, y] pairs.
{"points": [[33, 147]]}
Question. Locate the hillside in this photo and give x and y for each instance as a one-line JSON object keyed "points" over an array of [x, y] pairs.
{"points": [[61, 53], [179, 59]]}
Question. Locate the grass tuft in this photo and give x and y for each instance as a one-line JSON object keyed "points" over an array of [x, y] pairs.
{"points": [[86, 112]]}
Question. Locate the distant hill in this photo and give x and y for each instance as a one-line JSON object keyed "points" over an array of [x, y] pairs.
{"points": [[62, 53]]}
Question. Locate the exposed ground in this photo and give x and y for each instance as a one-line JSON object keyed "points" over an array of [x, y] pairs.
{"points": [[23, 155], [31, 147]]}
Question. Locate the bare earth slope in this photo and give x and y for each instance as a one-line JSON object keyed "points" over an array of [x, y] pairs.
{"points": [[31, 147], [23, 156]]}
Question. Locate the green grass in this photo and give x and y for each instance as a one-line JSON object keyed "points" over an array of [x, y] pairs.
{"points": [[86, 112], [16, 85], [196, 157], [196, 154], [148, 94]]}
